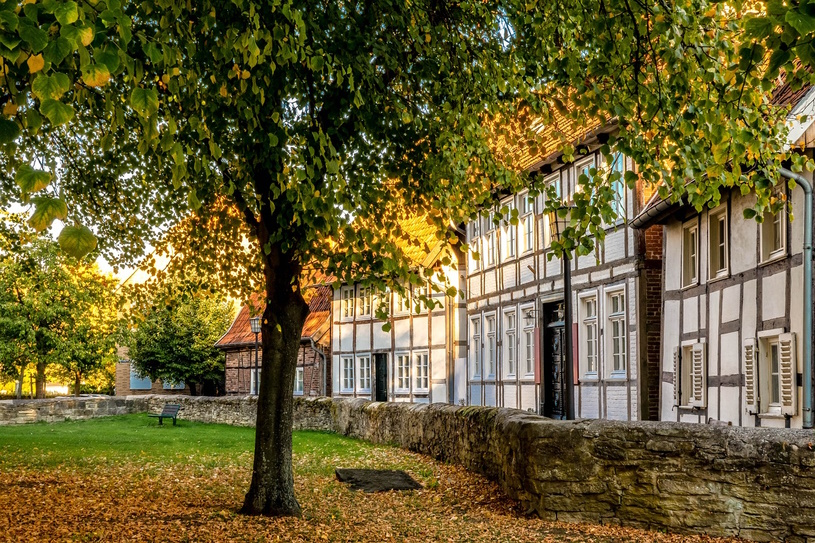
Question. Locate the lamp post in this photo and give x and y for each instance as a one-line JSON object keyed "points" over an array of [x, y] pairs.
{"points": [[559, 220], [254, 323]]}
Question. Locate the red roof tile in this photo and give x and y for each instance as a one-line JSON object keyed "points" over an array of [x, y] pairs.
{"points": [[240, 333]]}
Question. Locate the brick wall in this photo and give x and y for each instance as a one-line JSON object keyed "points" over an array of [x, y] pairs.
{"points": [[652, 277], [156, 387], [239, 365]]}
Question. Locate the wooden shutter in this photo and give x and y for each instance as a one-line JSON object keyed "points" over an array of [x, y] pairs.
{"points": [[677, 378], [750, 352], [788, 368], [698, 371]]}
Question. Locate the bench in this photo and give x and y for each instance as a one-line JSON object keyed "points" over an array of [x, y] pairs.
{"points": [[170, 411]]}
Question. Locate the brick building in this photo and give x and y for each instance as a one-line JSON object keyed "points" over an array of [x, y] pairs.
{"points": [[312, 372], [130, 383]]}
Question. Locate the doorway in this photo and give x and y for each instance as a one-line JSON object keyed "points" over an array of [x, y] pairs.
{"points": [[554, 362], [381, 379]]}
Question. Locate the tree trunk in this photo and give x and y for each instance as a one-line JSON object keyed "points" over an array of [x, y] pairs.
{"points": [[20, 383], [77, 383], [272, 488], [193, 389], [40, 380]]}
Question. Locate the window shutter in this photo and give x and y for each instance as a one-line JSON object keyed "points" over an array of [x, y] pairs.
{"points": [[676, 376], [750, 376], [787, 374], [698, 375]]}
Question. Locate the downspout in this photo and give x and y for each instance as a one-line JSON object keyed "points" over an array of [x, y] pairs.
{"points": [[807, 188], [325, 361]]}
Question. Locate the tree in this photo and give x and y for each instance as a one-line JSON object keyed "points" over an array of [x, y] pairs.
{"points": [[174, 341], [295, 122]]}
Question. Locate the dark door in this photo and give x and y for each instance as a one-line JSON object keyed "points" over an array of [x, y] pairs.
{"points": [[381, 384], [554, 362]]}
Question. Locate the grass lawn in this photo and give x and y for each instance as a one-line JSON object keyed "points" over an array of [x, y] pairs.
{"points": [[128, 479]]}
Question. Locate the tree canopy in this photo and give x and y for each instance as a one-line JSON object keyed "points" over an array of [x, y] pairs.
{"points": [[291, 122]]}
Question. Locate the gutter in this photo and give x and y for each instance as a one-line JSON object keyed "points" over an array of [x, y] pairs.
{"points": [[807, 188]]}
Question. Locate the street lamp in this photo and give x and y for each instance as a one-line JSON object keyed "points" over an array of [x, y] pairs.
{"points": [[254, 323], [559, 221]]}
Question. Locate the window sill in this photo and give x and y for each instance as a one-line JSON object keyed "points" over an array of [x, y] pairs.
{"points": [[777, 416], [617, 375], [723, 274], [775, 257], [298, 393], [690, 285], [592, 377], [401, 391]]}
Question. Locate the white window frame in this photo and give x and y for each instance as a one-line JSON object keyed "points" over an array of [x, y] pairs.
{"points": [[612, 317], [690, 258], [509, 233], [418, 307], [589, 324], [421, 372], [769, 254], [402, 373], [768, 339], [475, 347], [347, 376], [618, 187], [475, 246], [509, 343], [347, 303], [490, 345], [555, 181], [299, 381], [401, 302], [583, 166], [527, 222], [363, 372], [718, 264], [365, 305], [528, 342]]}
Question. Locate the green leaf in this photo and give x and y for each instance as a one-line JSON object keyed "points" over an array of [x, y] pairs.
{"points": [[66, 13], [108, 57], [35, 37], [31, 180], [144, 101], [8, 21], [33, 120], [57, 50], [46, 210], [57, 112], [52, 87], [77, 241], [803, 23], [96, 75], [9, 41], [8, 131]]}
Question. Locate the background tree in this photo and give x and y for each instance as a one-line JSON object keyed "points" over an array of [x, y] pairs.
{"points": [[291, 118], [174, 341]]}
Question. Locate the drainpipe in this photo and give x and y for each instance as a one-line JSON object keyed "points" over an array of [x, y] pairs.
{"points": [[807, 187]]}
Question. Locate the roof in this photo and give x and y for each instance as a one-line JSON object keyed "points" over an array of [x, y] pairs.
{"points": [[561, 128], [317, 322], [657, 209]]}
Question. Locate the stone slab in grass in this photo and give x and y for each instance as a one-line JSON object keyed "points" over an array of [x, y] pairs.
{"points": [[377, 480]]}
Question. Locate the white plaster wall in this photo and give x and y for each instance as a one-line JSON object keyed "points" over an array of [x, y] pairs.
{"points": [[690, 315], [667, 411], [797, 311], [731, 354], [797, 226], [748, 317], [713, 403], [703, 312], [509, 276], [363, 342], [553, 267], [673, 246], [528, 398], [438, 364], [475, 286], [420, 336], [743, 236], [615, 245], [382, 339], [527, 275], [713, 333], [347, 336], [774, 296], [510, 396], [335, 373], [617, 403], [489, 281], [475, 394], [731, 405], [489, 395], [460, 385], [732, 303], [632, 393], [401, 331], [438, 329]]}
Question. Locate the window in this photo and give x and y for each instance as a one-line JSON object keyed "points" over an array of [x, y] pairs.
{"points": [[365, 301], [490, 329], [717, 234], [419, 304], [618, 185], [690, 254], [347, 374], [616, 326], [509, 233], [475, 244], [509, 343], [169, 385], [774, 234], [590, 336], [401, 302], [137, 382], [422, 372], [528, 345], [489, 248], [527, 223], [770, 371], [581, 169], [475, 346], [364, 373], [403, 372], [347, 294], [298, 381], [690, 376]]}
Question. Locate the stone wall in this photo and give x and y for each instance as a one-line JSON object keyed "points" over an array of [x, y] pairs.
{"points": [[57, 410], [757, 483]]}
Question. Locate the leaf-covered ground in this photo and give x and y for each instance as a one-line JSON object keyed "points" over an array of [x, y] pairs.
{"points": [[126, 479]]}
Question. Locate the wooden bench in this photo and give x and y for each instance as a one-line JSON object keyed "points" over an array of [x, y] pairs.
{"points": [[170, 411]]}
